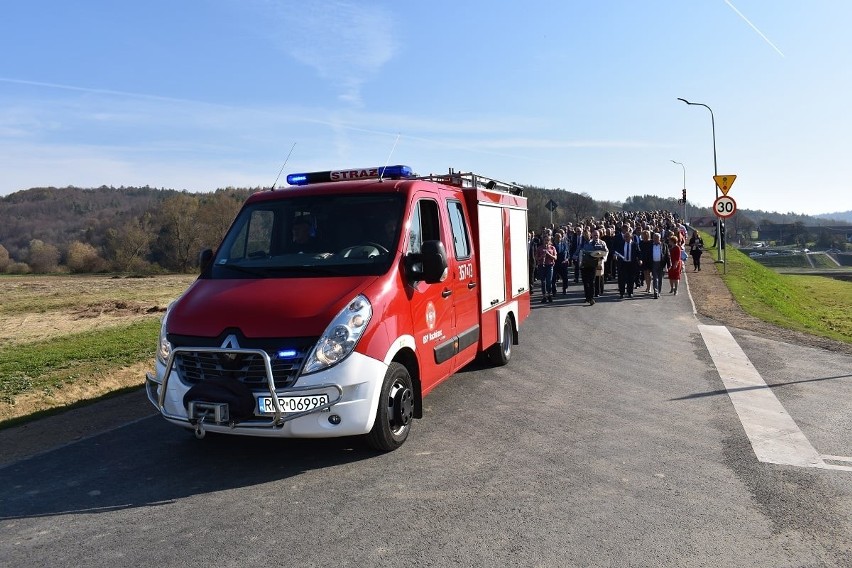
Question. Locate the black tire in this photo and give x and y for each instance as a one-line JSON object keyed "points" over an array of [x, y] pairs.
{"points": [[395, 412], [500, 353]]}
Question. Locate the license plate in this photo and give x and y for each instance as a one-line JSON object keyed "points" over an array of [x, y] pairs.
{"points": [[291, 404]]}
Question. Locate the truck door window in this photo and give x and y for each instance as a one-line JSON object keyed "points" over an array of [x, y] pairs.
{"points": [[425, 225], [461, 242]]}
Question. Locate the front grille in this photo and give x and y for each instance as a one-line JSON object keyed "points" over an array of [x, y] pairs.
{"points": [[248, 368]]}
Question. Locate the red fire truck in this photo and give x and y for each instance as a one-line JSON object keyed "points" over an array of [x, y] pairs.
{"points": [[334, 305]]}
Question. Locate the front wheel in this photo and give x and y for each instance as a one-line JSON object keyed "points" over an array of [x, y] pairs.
{"points": [[395, 412]]}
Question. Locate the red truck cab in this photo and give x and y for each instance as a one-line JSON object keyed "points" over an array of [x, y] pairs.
{"points": [[333, 306]]}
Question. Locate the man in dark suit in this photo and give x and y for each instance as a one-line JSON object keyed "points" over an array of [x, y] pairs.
{"points": [[577, 242], [563, 257], [656, 259], [628, 255]]}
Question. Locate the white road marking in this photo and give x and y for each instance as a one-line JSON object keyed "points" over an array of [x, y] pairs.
{"points": [[774, 435]]}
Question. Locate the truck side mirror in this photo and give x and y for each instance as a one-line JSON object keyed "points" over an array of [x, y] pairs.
{"points": [[204, 258], [429, 265]]}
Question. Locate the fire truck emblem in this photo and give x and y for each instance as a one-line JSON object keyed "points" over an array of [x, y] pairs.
{"points": [[430, 316]]}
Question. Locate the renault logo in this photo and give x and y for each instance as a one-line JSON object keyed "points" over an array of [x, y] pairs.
{"points": [[231, 343]]}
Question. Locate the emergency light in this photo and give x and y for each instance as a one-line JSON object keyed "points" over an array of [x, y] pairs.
{"points": [[351, 174]]}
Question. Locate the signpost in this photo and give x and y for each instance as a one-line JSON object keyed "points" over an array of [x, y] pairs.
{"points": [[551, 206], [724, 206], [724, 182]]}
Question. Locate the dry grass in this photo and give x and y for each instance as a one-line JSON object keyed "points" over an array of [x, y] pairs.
{"points": [[39, 310]]}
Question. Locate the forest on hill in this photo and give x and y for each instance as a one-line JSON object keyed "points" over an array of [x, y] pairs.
{"points": [[125, 229], [145, 229]]}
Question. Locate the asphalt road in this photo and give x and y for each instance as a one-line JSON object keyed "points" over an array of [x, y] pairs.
{"points": [[609, 440]]}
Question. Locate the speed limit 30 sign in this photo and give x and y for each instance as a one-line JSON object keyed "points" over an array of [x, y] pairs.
{"points": [[724, 206]]}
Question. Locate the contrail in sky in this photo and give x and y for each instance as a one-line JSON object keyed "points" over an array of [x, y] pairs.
{"points": [[760, 33], [88, 90]]}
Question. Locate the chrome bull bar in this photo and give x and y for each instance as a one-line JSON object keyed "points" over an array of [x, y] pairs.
{"points": [[277, 420]]}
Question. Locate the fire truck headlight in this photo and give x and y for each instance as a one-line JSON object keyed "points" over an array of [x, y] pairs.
{"points": [[164, 347], [341, 336]]}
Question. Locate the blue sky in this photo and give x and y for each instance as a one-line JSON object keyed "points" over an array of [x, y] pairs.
{"points": [[203, 94]]}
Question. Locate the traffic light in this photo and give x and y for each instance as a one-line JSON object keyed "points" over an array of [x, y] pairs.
{"points": [[684, 195]]}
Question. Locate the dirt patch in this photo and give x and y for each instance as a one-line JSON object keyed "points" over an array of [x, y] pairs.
{"points": [[42, 307], [715, 302], [117, 309]]}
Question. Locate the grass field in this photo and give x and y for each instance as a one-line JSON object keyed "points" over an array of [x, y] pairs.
{"points": [[817, 304], [64, 339]]}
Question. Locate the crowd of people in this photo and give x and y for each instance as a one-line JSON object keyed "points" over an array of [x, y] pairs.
{"points": [[633, 249]]}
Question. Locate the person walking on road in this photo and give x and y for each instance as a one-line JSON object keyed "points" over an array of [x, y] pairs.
{"points": [[696, 247], [593, 254], [546, 258], [628, 264], [645, 259], [563, 257], [577, 243], [655, 258], [676, 265]]}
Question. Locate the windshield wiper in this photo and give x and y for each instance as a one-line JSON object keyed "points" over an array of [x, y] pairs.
{"points": [[256, 270], [306, 269]]}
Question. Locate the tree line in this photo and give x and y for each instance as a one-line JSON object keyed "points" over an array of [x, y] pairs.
{"points": [[130, 230], [149, 230]]}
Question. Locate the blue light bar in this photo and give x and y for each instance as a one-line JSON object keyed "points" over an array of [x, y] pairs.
{"points": [[395, 172], [287, 354]]}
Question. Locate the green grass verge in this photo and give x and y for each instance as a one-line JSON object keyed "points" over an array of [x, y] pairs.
{"points": [[818, 305], [823, 261], [784, 261], [49, 365]]}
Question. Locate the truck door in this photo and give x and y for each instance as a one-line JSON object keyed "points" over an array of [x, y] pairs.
{"points": [[431, 304]]}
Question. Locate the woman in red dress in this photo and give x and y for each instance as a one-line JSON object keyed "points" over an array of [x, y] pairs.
{"points": [[676, 263]]}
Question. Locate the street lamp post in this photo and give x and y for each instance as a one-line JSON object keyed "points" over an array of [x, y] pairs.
{"points": [[715, 173], [684, 188]]}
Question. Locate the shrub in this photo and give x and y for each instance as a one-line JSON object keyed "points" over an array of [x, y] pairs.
{"points": [[82, 257], [4, 259], [18, 268]]}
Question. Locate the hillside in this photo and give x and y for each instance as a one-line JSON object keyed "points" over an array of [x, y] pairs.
{"points": [[137, 226], [126, 228], [61, 215], [839, 216]]}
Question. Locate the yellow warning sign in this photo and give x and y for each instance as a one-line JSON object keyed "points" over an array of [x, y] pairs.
{"points": [[724, 182]]}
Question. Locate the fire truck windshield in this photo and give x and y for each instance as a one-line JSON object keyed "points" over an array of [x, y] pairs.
{"points": [[312, 236]]}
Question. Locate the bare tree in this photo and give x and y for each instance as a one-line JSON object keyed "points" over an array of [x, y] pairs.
{"points": [[182, 234], [216, 214], [130, 245], [579, 205]]}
